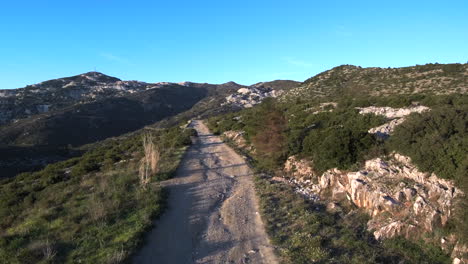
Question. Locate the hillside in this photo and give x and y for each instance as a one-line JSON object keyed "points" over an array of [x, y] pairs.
{"points": [[89, 122], [327, 167], [349, 80], [99, 106], [372, 161], [58, 93], [354, 165], [90, 209], [46, 122]]}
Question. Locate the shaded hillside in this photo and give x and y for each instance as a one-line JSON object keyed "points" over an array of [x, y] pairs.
{"points": [[215, 104], [16, 159], [349, 80], [90, 122]]}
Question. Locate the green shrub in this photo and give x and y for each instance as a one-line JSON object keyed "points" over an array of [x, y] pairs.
{"points": [[89, 209], [436, 141]]}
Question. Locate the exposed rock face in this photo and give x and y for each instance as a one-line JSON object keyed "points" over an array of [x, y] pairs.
{"points": [[392, 113], [400, 199], [386, 129], [396, 116]]}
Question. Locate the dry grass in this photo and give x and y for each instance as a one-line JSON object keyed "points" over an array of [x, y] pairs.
{"points": [[149, 163]]}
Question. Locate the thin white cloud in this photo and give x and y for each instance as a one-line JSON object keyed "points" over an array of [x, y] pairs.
{"points": [[296, 62]]}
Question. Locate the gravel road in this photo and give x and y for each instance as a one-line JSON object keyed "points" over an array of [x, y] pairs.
{"points": [[213, 211]]}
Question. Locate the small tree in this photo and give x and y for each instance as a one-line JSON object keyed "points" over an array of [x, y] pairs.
{"points": [[150, 161], [270, 138]]}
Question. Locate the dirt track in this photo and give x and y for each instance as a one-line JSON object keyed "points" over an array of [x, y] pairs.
{"points": [[213, 211]]}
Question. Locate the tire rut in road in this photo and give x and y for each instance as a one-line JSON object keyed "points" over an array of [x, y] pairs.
{"points": [[213, 211]]}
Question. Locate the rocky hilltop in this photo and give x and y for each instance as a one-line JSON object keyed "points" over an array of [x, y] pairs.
{"points": [[55, 94], [249, 96]]}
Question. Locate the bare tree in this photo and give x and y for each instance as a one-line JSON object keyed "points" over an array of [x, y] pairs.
{"points": [[150, 161]]}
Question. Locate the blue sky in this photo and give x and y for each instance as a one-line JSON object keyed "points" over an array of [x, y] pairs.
{"points": [[220, 41]]}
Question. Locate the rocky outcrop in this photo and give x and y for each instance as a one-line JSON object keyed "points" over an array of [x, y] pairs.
{"points": [[395, 117], [299, 168], [400, 199], [386, 129], [238, 138], [249, 96], [392, 113]]}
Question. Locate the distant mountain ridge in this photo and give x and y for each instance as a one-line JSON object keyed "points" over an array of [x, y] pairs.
{"points": [[92, 106], [84, 88], [39, 122]]}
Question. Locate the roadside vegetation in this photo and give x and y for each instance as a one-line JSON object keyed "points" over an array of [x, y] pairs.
{"points": [[90, 209], [335, 136], [305, 232]]}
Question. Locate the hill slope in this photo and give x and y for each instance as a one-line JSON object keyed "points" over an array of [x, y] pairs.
{"points": [[84, 123], [349, 80], [39, 123]]}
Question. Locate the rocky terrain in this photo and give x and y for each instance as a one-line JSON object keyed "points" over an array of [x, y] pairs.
{"points": [[401, 200], [395, 117], [247, 97]]}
